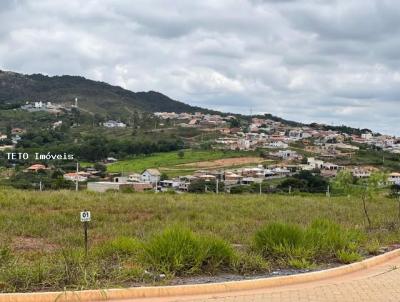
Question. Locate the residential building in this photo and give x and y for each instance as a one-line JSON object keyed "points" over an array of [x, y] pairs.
{"points": [[151, 176]]}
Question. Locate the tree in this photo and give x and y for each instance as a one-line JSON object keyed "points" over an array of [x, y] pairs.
{"points": [[181, 154], [367, 190], [201, 186], [343, 181]]}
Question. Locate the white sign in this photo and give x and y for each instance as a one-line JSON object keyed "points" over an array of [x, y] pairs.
{"points": [[85, 216]]}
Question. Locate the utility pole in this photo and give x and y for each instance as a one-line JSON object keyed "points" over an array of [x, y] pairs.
{"points": [[76, 177], [40, 185], [216, 189], [260, 187], [290, 189], [328, 191]]}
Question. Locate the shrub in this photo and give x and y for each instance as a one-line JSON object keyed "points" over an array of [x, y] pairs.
{"points": [[278, 240], [300, 263], [248, 263], [178, 251], [326, 237], [347, 256], [295, 246], [373, 247], [216, 252]]}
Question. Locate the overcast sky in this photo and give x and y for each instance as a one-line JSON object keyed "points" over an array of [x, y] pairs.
{"points": [[329, 61]]}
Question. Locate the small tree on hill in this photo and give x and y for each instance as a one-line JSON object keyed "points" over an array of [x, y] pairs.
{"points": [[181, 154]]}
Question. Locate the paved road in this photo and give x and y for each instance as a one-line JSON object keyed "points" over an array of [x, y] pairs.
{"points": [[379, 283]]}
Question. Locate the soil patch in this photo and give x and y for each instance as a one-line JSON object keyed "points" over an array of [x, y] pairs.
{"points": [[225, 162], [32, 244]]}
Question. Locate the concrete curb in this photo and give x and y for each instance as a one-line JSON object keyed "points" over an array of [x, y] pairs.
{"points": [[195, 289]]}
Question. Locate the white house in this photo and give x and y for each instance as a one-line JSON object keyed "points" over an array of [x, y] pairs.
{"points": [[114, 124], [394, 178], [366, 136], [277, 144], [151, 176], [80, 176], [315, 163]]}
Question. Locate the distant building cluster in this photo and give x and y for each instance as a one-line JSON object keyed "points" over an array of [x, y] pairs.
{"points": [[197, 119], [43, 106]]}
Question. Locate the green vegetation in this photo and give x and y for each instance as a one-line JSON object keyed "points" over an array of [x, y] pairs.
{"points": [[298, 246], [305, 181], [179, 251], [131, 244], [171, 160]]}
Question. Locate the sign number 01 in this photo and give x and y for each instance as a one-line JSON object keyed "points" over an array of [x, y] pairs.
{"points": [[85, 218]]}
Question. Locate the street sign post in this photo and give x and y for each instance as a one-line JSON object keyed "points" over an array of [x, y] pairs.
{"points": [[85, 219]]}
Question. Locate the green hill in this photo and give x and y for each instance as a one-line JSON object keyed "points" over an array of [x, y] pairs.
{"points": [[96, 97]]}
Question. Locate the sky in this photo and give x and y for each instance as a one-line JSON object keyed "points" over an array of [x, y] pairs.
{"points": [[334, 62]]}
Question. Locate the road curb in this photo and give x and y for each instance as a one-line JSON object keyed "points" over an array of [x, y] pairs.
{"points": [[195, 289]]}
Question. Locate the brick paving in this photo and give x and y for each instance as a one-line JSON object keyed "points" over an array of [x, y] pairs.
{"points": [[380, 283]]}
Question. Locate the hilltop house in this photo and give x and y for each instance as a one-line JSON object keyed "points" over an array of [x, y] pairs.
{"points": [[151, 175]]}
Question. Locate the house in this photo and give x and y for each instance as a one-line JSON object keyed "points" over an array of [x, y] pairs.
{"points": [[77, 176], [135, 177], [315, 163], [277, 144], [36, 168], [114, 124], [103, 186], [232, 178], [16, 131], [151, 176], [330, 166], [366, 136], [286, 154], [111, 160], [193, 122], [394, 178], [361, 173]]}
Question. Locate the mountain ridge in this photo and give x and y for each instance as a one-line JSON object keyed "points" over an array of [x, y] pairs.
{"points": [[96, 96]]}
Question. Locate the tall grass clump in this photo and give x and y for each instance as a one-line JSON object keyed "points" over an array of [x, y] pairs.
{"points": [[121, 248], [279, 240], [326, 238], [178, 251], [298, 247]]}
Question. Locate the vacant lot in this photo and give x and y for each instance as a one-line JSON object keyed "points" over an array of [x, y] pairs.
{"points": [[170, 160], [225, 162], [41, 237]]}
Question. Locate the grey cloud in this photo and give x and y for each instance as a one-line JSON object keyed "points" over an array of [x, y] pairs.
{"points": [[325, 61]]}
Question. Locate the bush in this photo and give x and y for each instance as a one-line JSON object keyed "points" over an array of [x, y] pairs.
{"points": [[347, 256], [178, 251], [278, 240], [325, 238], [296, 246], [300, 263]]}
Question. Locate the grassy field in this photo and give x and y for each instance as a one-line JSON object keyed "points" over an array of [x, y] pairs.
{"points": [[41, 238], [170, 160]]}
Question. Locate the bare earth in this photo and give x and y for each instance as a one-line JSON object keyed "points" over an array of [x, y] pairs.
{"points": [[225, 162]]}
